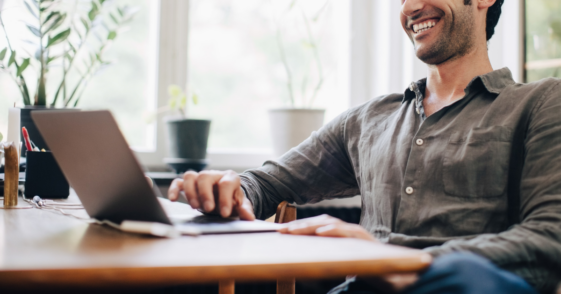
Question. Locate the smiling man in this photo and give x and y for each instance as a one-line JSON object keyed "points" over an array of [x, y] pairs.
{"points": [[464, 164]]}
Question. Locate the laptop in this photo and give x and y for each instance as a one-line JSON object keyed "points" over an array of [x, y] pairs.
{"points": [[99, 165]]}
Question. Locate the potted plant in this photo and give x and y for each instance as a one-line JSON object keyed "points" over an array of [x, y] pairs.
{"points": [[71, 40], [292, 125], [187, 137]]}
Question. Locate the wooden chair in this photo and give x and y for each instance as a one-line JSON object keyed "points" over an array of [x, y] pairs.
{"points": [[285, 213]]}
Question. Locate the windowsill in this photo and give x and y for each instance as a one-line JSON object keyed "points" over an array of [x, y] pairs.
{"points": [[220, 159]]}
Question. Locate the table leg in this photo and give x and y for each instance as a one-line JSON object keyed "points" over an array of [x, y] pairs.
{"points": [[226, 287], [286, 286]]}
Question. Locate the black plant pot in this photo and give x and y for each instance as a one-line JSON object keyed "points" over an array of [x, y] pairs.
{"points": [[188, 141], [27, 122]]}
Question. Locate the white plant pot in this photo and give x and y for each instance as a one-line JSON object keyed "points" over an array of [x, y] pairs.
{"points": [[291, 126]]}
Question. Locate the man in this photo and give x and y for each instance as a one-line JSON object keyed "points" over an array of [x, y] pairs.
{"points": [[465, 160]]}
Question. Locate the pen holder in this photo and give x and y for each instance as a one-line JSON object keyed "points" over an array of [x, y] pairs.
{"points": [[43, 177]]}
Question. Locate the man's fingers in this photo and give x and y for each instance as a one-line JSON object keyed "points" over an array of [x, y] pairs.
{"points": [[205, 186], [174, 189], [190, 189], [309, 226], [306, 222], [245, 209], [227, 187], [344, 230], [326, 226]]}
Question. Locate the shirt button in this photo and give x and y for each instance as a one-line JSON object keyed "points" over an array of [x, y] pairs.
{"points": [[409, 190], [419, 142]]}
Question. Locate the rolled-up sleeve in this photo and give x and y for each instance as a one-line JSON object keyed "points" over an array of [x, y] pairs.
{"points": [[318, 169], [532, 248]]}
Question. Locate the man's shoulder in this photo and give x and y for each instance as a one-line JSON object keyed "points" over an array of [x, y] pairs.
{"points": [[380, 105], [539, 87]]}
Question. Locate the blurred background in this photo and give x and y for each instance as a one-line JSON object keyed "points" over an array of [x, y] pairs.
{"points": [[238, 57]]}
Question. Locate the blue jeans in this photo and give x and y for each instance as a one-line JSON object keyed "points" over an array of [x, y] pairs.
{"points": [[456, 273]]}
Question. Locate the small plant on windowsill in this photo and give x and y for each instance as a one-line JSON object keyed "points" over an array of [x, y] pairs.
{"points": [[187, 138]]}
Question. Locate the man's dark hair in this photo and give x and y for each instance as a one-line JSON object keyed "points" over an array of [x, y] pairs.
{"points": [[493, 15]]}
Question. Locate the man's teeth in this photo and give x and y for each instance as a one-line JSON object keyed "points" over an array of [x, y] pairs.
{"points": [[418, 28]]}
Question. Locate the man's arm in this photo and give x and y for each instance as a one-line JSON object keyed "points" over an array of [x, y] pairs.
{"points": [[531, 249], [317, 169]]}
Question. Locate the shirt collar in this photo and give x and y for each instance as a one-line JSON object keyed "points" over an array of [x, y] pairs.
{"points": [[494, 82]]}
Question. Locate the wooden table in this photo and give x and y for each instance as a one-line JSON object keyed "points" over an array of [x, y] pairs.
{"points": [[42, 249]]}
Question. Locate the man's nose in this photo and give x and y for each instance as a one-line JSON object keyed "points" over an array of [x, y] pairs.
{"points": [[411, 7]]}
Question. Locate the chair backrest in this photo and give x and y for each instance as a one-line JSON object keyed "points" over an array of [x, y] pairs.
{"points": [[286, 212]]}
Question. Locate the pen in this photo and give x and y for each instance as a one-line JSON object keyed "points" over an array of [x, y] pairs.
{"points": [[26, 139]]}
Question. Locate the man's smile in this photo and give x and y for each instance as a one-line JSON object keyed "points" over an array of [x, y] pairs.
{"points": [[420, 27]]}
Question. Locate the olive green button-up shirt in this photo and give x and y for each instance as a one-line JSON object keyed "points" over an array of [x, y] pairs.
{"points": [[481, 175]]}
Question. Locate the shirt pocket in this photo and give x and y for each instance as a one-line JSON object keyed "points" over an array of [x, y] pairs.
{"points": [[476, 164]]}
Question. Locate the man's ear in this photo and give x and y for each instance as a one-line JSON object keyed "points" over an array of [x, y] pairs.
{"points": [[482, 4]]}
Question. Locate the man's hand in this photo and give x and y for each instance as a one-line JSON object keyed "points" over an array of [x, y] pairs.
{"points": [[327, 226], [213, 191]]}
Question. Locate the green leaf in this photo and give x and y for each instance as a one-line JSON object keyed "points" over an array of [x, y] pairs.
{"points": [[72, 48], [44, 5], [51, 59], [292, 4], [120, 11], [113, 18], [85, 23], [51, 15], [174, 90], [556, 28], [59, 20], [60, 37], [94, 11], [34, 30], [3, 53], [112, 35], [195, 98], [1, 137], [182, 101], [22, 67], [12, 58], [30, 9]]}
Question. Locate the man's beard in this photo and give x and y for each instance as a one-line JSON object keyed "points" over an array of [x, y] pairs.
{"points": [[455, 40]]}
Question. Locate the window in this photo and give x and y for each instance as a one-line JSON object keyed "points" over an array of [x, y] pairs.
{"points": [[543, 39], [236, 64], [126, 87]]}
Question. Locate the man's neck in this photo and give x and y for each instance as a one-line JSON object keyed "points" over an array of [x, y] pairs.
{"points": [[446, 82]]}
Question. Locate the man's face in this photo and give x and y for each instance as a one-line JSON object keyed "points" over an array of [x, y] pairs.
{"points": [[440, 30]]}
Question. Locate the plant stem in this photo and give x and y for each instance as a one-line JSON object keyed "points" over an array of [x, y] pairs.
{"points": [[84, 80], [316, 57], [41, 97], [62, 85], [286, 68], [22, 85], [65, 69]]}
